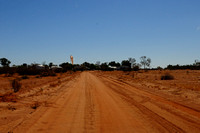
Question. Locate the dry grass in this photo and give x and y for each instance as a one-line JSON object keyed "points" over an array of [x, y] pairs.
{"points": [[55, 84], [8, 97]]}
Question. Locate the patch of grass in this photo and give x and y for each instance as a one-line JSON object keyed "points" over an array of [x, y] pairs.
{"points": [[167, 76], [8, 97]]}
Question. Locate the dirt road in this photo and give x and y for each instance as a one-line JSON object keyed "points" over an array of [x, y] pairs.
{"points": [[93, 103]]}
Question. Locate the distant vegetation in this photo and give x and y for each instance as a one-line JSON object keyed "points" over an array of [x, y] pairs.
{"points": [[51, 69], [181, 67]]}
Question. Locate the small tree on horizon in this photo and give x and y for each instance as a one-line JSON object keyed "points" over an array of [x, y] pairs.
{"points": [[197, 63], [113, 63], [132, 61], [104, 66], [5, 62], [145, 61], [126, 63], [51, 64]]}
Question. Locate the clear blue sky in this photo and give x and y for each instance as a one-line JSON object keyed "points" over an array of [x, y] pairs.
{"points": [[167, 31]]}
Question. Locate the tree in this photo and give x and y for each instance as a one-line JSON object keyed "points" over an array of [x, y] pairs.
{"points": [[197, 63], [86, 65], [5, 62], [145, 61], [113, 63], [104, 67], [159, 68], [132, 61], [93, 66], [66, 66], [51, 64], [126, 63], [25, 65]]}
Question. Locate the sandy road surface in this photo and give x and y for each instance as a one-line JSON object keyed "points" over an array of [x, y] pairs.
{"points": [[93, 103]]}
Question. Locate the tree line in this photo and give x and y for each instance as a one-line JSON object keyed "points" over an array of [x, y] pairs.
{"points": [[183, 67], [51, 69]]}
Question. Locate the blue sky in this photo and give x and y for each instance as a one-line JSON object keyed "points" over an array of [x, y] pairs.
{"points": [[167, 31]]}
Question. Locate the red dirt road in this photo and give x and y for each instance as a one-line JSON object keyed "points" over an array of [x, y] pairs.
{"points": [[95, 103]]}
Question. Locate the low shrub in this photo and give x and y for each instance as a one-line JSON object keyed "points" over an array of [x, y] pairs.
{"points": [[10, 107], [167, 76], [35, 105], [44, 74], [53, 85], [48, 73], [52, 73], [8, 97], [25, 77], [136, 68], [16, 85], [37, 76]]}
